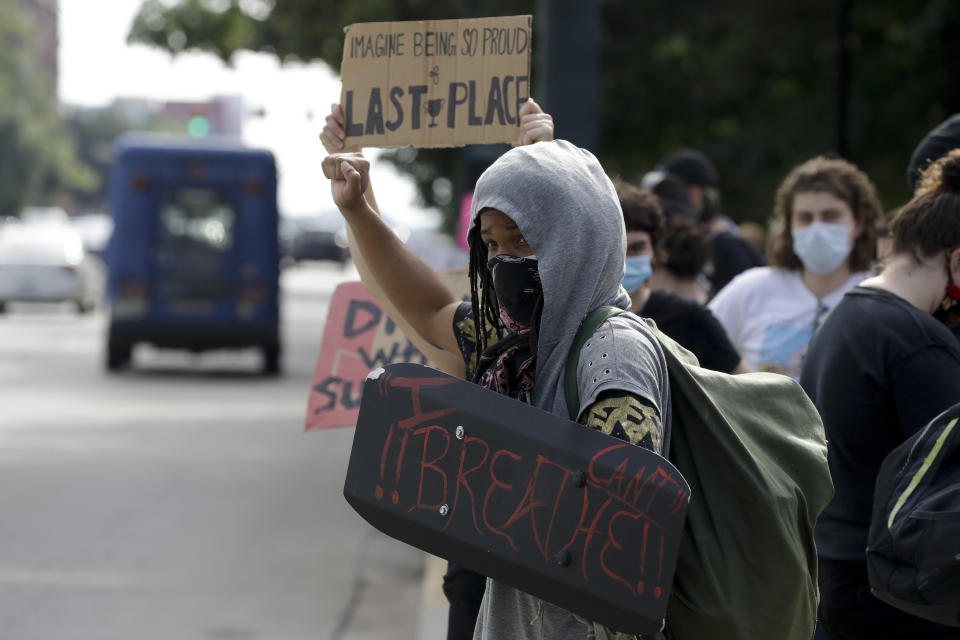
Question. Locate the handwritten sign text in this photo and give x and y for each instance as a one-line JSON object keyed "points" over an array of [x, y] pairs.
{"points": [[435, 83]]}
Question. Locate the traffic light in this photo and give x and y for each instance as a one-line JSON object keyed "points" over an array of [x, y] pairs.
{"points": [[198, 127]]}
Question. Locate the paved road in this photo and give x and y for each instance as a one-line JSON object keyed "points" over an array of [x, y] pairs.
{"points": [[182, 499]]}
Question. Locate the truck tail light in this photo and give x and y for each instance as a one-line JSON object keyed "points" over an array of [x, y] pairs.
{"points": [[139, 182], [251, 295], [131, 301], [132, 290]]}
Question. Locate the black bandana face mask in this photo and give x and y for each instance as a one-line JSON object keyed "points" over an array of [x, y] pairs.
{"points": [[948, 311], [516, 282]]}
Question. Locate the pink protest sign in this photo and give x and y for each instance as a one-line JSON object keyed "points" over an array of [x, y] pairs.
{"points": [[358, 338], [465, 201]]}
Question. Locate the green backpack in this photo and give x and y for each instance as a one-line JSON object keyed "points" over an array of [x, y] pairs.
{"points": [[752, 449]]}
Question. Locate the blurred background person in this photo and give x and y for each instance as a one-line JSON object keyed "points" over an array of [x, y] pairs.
{"points": [[689, 323], [880, 368], [828, 209], [756, 236], [673, 194], [942, 139], [684, 250], [729, 254], [937, 143]]}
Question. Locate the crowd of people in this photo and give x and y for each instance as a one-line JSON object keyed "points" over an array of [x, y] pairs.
{"points": [[553, 237]]}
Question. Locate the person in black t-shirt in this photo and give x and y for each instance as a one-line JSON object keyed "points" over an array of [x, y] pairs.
{"points": [[689, 323], [882, 365], [683, 249]]}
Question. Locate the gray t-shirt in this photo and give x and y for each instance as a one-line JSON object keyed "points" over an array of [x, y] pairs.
{"points": [[622, 344], [623, 355]]}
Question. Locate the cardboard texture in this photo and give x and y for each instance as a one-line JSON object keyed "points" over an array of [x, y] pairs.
{"points": [[357, 338], [437, 83]]}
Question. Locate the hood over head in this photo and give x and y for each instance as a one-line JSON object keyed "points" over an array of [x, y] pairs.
{"points": [[568, 211]]}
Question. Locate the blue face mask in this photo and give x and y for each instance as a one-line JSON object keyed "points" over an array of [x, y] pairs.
{"points": [[822, 246], [638, 271]]}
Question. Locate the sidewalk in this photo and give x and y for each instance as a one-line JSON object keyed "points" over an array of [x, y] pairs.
{"points": [[433, 604]]}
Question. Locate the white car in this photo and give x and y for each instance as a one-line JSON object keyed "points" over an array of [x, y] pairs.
{"points": [[44, 215], [47, 263]]}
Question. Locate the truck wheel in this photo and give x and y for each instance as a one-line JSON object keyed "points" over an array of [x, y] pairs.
{"points": [[118, 355], [271, 360]]}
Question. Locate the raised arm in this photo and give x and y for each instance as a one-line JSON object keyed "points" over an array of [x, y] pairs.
{"points": [[332, 137], [412, 288]]}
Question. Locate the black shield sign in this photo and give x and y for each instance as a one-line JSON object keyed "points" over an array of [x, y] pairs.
{"points": [[581, 519]]}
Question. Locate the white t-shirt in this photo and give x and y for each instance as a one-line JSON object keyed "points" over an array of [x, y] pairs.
{"points": [[770, 316]]}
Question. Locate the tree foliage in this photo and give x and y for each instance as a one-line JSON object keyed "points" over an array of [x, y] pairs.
{"points": [[754, 85], [38, 163], [93, 131]]}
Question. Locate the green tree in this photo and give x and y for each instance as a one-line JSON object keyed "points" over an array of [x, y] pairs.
{"points": [[755, 86], [752, 84], [93, 131], [37, 159]]}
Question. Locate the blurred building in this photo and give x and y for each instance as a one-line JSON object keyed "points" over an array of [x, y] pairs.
{"points": [[45, 19], [219, 116], [139, 113]]}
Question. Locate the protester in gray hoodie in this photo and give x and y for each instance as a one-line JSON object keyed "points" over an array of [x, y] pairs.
{"points": [[547, 246]]}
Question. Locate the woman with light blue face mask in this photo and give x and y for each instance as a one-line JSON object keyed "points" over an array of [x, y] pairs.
{"points": [[827, 209]]}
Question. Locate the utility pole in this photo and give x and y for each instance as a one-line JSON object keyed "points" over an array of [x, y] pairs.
{"points": [[566, 83]]}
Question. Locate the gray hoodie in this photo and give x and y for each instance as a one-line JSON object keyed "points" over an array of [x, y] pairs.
{"points": [[568, 211]]}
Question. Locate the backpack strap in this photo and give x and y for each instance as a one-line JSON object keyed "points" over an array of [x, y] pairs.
{"points": [[589, 326]]}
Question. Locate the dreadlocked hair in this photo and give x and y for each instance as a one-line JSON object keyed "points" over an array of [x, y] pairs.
{"points": [[483, 302]]}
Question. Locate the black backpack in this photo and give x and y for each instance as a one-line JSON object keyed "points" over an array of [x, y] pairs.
{"points": [[913, 552]]}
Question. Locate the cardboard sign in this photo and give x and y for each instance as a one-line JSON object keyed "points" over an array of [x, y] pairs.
{"points": [[581, 519], [357, 338], [438, 83]]}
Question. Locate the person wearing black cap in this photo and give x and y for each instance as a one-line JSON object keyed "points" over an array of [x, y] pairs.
{"points": [[698, 172], [674, 194], [936, 144], [729, 253]]}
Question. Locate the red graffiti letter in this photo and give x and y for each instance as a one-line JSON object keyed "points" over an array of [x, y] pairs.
{"points": [[432, 464], [494, 483]]}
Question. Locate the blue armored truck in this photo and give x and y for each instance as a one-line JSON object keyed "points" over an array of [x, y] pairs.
{"points": [[193, 262]]}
